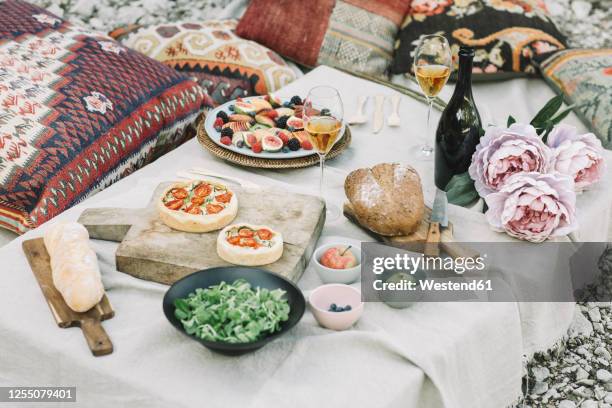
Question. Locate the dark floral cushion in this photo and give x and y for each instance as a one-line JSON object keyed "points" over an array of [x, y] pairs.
{"points": [[225, 65], [585, 78], [78, 111], [509, 35]]}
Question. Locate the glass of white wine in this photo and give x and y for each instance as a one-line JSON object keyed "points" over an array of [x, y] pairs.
{"points": [[432, 67], [323, 112]]}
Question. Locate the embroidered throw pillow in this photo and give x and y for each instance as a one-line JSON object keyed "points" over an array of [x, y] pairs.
{"points": [[585, 78], [356, 35], [224, 64], [78, 111], [509, 35]]}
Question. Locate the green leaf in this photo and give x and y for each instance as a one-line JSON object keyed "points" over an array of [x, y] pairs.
{"points": [[547, 112], [182, 305], [511, 120], [460, 190], [557, 119]]}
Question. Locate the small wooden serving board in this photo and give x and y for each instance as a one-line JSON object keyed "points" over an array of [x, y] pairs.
{"points": [[152, 251], [89, 321]]}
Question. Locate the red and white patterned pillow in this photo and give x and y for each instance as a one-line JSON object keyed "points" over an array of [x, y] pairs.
{"points": [[78, 111]]}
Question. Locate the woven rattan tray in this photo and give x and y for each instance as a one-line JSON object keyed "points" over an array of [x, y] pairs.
{"points": [[249, 161]]}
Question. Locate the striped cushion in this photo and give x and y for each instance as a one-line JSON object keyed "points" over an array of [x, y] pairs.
{"points": [[357, 35]]}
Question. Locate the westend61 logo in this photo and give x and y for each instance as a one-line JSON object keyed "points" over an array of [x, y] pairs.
{"points": [[411, 264]]}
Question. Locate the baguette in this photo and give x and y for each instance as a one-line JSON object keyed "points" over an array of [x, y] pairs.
{"points": [[74, 266]]}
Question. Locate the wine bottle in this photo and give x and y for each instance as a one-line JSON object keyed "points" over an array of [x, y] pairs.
{"points": [[459, 127]]}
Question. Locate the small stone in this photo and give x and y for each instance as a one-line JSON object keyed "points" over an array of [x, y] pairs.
{"points": [[540, 373], [567, 404], [581, 374], [598, 327], [608, 398], [581, 8], [589, 404], [595, 315], [539, 388], [587, 382], [603, 376], [582, 351], [581, 326]]}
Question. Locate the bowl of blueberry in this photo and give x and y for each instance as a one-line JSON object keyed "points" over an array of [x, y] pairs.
{"points": [[336, 306]]}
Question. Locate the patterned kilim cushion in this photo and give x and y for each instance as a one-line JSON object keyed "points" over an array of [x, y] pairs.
{"points": [[226, 65], [585, 78], [508, 34], [77, 112], [357, 35]]}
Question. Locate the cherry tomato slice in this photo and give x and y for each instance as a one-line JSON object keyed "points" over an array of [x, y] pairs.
{"points": [[249, 242], [179, 193], [194, 209], [235, 240], [224, 198], [213, 208], [264, 234], [246, 233], [198, 200], [174, 204], [202, 190]]}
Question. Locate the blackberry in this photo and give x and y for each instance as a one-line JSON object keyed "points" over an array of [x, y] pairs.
{"points": [[296, 100], [282, 122], [227, 132], [223, 116], [294, 144]]}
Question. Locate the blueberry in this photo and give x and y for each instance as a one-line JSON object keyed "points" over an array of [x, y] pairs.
{"points": [[239, 143], [291, 129], [339, 309], [347, 308], [285, 149], [333, 307], [232, 108], [287, 104]]}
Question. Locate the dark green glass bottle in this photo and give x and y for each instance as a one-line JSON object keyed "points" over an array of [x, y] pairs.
{"points": [[459, 127]]}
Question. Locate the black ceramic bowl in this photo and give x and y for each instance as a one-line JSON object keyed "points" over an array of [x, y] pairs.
{"points": [[256, 277]]}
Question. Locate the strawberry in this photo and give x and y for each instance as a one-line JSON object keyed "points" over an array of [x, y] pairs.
{"points": [[257, 148], [226, 140], [306, 145], [283, 136]]}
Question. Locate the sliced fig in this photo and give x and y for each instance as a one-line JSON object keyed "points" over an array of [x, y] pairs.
{"points": [[295, 123], [240, 117], [272, 143], [260, 104], [245, 108], [264, 120]]}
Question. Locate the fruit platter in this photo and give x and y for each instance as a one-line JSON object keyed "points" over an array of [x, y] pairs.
{"points": [[261, 126]]}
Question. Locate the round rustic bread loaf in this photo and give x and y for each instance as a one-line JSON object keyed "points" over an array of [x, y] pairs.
{"points": [[387, 199]]}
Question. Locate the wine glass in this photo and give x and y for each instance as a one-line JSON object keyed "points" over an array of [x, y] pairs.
{"points": [[432, 67], [322, 116]]}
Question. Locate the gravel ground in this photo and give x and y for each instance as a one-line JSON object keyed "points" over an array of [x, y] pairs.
{"points": [[576, 373]]}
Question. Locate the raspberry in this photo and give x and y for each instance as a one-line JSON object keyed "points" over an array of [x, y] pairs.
{"points": [[256, 147], [272, 114], [306, 145], [226, 140], [218, 122]]}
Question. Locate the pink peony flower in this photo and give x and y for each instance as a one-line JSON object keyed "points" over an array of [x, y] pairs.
{"points": [[503, 152], [578, 156], [534, 206]]}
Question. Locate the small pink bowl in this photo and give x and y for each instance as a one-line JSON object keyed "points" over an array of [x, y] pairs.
{"points": [[322, 297]]}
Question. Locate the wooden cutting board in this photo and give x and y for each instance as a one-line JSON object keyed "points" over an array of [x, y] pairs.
{"points": [[416, 241], [90, 321], [152, 251]]}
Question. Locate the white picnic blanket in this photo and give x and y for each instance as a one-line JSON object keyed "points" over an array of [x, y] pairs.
{"points": [[430, 355]]}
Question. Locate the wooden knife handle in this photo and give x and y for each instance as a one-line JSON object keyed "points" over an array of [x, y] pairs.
{"points": [[455, 250], [98, 341], [432, 243]]}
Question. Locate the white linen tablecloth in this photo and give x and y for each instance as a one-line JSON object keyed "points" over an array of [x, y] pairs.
{"points": [[430, 355]]}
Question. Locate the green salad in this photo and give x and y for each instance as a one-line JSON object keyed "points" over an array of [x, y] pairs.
{"points": [[232, 313]]}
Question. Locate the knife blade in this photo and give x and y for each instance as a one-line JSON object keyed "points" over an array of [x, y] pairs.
{"points": [[439, 210], [438, 218], [378, 113]]}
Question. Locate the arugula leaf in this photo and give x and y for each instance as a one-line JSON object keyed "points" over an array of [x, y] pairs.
{"points": [[460, 190]]}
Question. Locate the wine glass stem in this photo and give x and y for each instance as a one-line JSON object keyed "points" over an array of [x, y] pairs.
{"points": [[321, 180], [427, 146]]}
